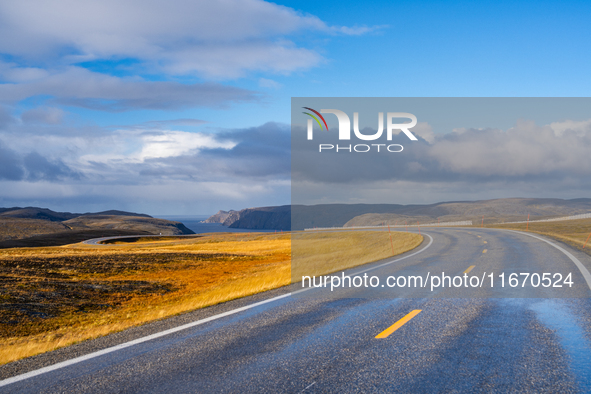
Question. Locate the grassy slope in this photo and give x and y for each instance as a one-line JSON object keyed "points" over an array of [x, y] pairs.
{"points": [[53, 297], [21, 233], [572, 232], [325, 252], [65, 238], [16, 228]]}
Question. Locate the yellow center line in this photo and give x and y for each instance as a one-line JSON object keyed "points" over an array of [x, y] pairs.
{"points": [[479, 236], [398, 324], [485, 242], [470, 268], [484, 251]]}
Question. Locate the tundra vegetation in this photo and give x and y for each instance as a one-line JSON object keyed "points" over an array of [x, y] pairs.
{"points": [[572, 232], [52, 297]]}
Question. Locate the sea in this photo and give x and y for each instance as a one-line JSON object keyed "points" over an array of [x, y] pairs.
{"points": [[194, 223]]}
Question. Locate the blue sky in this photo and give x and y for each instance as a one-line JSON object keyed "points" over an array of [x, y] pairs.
{"points": [[183, 107]]}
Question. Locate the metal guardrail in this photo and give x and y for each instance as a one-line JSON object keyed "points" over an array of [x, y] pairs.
{"points": [[572, 217], [449, 224], [444, 224]]}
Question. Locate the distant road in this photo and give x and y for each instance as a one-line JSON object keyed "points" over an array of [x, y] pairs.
{"points": [[97, 241], [283, 342]]}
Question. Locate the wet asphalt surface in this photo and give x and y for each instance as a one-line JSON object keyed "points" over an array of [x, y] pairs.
{"points": [[483, 339]]}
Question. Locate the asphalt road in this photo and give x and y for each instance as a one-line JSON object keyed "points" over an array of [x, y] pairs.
{"points": [[98, 241], [315, 342]]}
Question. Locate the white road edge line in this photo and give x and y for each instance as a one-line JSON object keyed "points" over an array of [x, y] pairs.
{"points": [[580, 266], [394, 261], [160, 334], [108, 350]]}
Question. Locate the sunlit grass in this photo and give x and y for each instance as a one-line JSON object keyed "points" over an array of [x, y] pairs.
{"points": [[572, 232], [319, 253], [241, 265]]}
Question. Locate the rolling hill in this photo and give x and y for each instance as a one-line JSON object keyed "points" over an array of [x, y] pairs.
{"points": [[32, 226], [298, 217]]}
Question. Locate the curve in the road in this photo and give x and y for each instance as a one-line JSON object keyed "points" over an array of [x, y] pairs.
{"points": [[584, 271], [484, 345], [179, 328]]}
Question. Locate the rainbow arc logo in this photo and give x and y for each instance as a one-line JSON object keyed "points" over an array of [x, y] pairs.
{"points": [[315, 118]]}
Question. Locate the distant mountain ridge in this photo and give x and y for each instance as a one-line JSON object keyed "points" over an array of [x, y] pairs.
{"points": [[491, 211], [32, 226], [298, 217], [219, 217], [48, 214], [263, 218]]}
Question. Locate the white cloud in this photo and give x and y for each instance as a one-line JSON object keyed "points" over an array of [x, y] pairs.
{"points": [[578, 127], [48, 41], [233, 60], [48, 115], [176, 143], [13, 73], [525, 149], [357, 30], [124, 147], [215, 39], [165, 197], [269, 83], [162, 123], [526, 160], [80, 87], [110, 27], [425, 131], [142, 154], [153, 171]]}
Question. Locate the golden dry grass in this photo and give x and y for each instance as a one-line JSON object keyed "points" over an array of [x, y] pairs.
{"points": [[253, 264], [16, 228], [198, 272], [320, 253], [572, 232]]}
